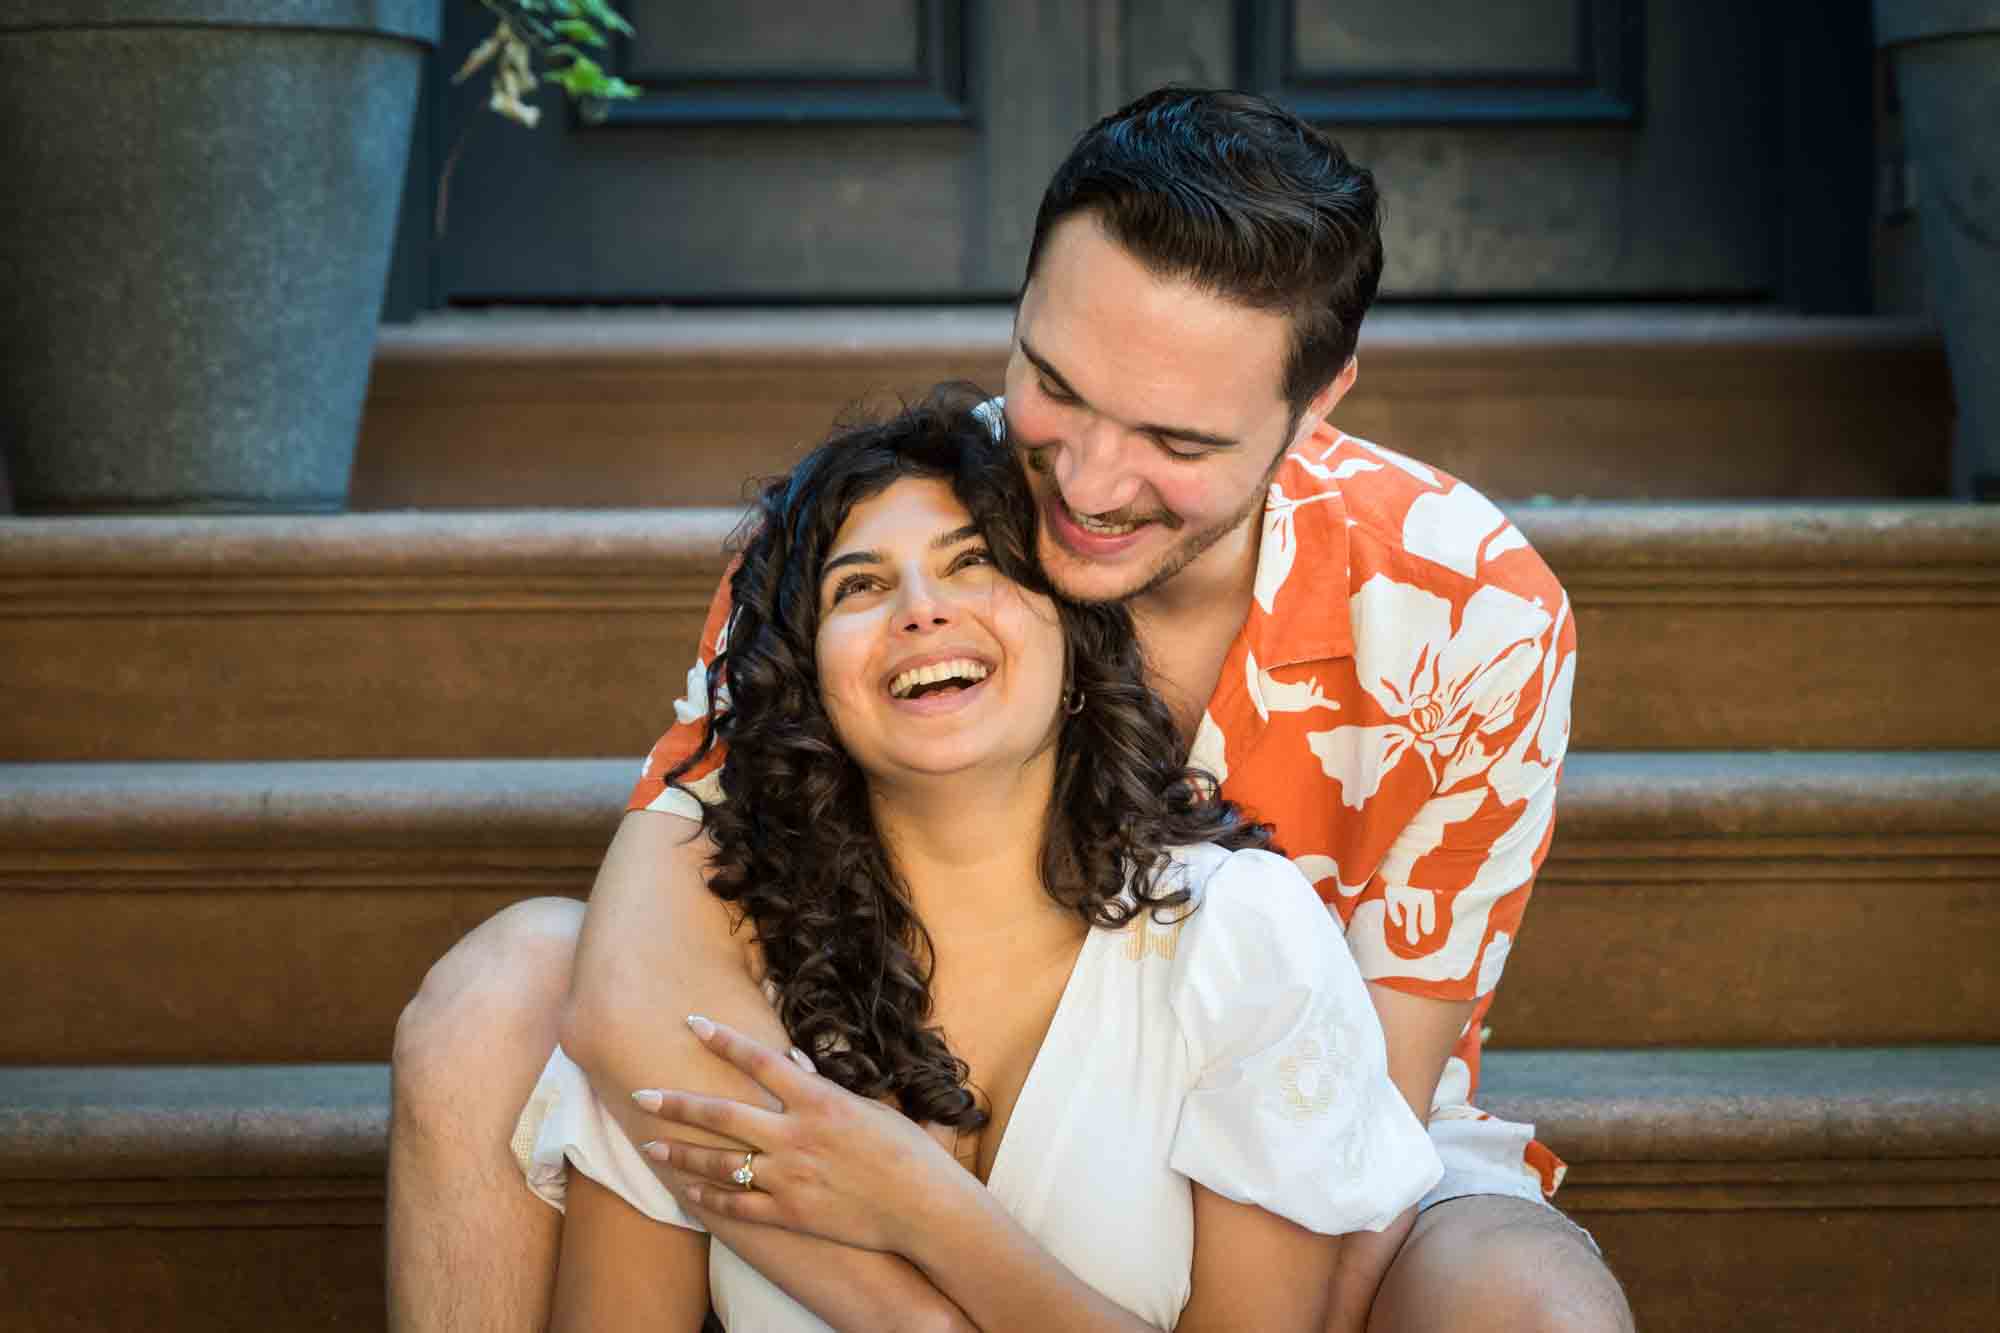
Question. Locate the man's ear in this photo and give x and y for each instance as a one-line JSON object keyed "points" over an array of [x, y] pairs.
{"points": [[1336, 389], [1323, 402]]}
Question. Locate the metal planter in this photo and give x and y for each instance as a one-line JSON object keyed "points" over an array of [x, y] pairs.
{"points": [[1947, 61], [199, 211]]}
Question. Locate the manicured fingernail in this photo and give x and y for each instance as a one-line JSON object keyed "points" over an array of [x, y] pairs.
{"points": [[658, 1151], [702, 1027], [694, 1194], [803, 1061], [647, 1099]]}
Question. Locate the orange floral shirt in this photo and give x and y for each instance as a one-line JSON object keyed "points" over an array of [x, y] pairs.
{"points": [[1396, 705]]}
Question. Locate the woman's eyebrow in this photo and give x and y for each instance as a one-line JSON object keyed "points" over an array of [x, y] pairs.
{"points": [[956, 537], [851, 558], [970, 532]]}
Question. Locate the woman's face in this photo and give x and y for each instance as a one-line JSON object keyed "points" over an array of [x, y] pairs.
{"points": [[930, 661]]}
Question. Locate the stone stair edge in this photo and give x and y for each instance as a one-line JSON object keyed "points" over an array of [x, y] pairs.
{"points": [[1655, 796], [1629, 1106], [1581, 539], [831, 334]]}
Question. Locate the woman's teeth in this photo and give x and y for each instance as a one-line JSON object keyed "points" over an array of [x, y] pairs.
{"points": [[960, 670]]}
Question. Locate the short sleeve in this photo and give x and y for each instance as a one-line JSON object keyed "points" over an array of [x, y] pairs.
{"points": [[684, 737], [1291, 1108], [565, 1128]]}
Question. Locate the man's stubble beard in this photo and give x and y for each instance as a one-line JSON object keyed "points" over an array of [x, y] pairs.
{"points": [[1190, 549]]}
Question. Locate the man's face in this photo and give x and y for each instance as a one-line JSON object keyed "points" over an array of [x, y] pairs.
{"points": [[1149, 414]]}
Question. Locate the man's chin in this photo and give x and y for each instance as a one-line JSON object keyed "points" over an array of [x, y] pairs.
{"points": [[1081, 579]]}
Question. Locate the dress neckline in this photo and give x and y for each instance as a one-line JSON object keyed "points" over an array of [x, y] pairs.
{"points": [[1026, 1102]]}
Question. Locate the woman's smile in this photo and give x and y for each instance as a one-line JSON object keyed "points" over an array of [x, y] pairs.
{"points": [[939, 682], [930, 660]]}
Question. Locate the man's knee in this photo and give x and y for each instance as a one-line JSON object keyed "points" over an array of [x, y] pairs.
{"points": [[493, 999], [1500, 1264]]}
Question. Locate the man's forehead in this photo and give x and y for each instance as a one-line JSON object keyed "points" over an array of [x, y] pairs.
{"points": [[1192, 375]]}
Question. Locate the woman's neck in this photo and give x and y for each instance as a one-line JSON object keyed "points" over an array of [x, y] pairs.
{"points": [[969, 846]]}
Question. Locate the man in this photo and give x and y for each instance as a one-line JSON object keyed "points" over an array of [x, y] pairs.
{"points": [[1363, 649]]}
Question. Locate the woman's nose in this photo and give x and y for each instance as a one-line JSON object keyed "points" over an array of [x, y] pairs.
{"points": [[925, 606]]}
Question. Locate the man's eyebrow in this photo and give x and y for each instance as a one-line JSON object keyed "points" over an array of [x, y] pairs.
{"points": [[1187, 433], [956, 537]]}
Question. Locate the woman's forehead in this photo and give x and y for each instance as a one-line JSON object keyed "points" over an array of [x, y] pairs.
{"points": [[910, 510]]}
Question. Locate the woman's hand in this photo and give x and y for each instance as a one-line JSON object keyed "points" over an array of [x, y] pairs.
{"points": [[828, 1163]]}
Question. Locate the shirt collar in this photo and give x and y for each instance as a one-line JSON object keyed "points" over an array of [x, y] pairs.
{"points": [[1302, 565]]}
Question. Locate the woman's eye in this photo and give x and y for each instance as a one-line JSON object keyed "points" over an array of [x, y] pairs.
{"points": [[851, 584], [1054, 393], [977, 556]]}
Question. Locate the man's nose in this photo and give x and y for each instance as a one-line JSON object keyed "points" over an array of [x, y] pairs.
{"points": [[1094, 469]]}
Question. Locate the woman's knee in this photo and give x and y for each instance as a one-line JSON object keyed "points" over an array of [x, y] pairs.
{"points": [[490, 1003]]}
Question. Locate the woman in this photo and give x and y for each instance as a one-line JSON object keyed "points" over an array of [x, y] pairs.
{"points": [[980, 886]]}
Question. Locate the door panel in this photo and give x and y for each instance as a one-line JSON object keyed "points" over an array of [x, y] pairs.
{"points": [[1572, 148], [896, 149], [783, 150]]}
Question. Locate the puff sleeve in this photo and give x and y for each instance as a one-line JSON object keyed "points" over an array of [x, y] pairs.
{"points": [[1291, 1107], [564, 1127]]}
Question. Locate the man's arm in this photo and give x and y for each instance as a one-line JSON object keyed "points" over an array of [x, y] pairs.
{"points": [[622, 1270], [657, 946], [1420, 1034]]}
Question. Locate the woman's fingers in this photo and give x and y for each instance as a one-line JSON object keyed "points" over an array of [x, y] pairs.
{"points": [[774, 1071], [707, 1200], [715, 1166], [746, 1124], [741, 1205]]}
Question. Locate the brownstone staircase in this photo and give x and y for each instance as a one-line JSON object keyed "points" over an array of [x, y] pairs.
{"points": [[255, 775]]}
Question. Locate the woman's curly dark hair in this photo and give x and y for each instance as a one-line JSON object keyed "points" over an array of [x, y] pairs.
{"points": [[795, 845]]}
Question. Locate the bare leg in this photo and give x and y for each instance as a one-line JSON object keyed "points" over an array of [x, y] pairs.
{"points": [[1500, 1265], [469, 1246]]}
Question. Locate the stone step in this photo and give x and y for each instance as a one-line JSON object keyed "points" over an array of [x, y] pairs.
{"points": [[605, 408], [567, 633], [286, 911], [1786, 1188]]}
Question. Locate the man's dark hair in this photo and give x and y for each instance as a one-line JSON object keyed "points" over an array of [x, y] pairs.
{"points": [[1239, 196]]}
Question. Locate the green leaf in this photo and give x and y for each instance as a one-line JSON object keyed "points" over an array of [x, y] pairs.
{"points": [[583, 77], [576, 30], [603, 13]]}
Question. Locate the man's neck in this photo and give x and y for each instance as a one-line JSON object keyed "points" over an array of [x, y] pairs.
{"points": [[1187, 624], [1217, 583]]}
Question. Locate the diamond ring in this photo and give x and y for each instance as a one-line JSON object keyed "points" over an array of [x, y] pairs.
{"points": [[746, 1174]]}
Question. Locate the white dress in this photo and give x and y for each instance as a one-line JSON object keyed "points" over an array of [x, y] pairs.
{"points": [[1236, 1048]]}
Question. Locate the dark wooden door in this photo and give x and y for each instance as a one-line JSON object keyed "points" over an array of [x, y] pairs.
{"points": [[870, 149], [896, 149]]}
